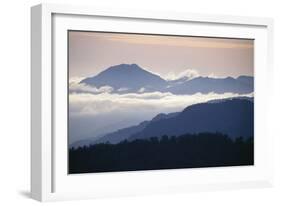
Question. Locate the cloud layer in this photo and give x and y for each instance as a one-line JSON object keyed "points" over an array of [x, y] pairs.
{"points": [[89, 104], [106, 112]]}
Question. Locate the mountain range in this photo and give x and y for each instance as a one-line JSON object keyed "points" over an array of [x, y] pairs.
{"points": [[232, 116], [131, 78]]}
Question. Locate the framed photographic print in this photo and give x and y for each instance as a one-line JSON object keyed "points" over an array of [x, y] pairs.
{"points": [[137, 102]]}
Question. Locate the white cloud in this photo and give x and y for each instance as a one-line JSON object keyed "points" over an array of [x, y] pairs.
{"points": [[76, 79], [190, 73], [123, 89], [76, 87], [141, 90], [105, 89], [92, 104], [212, 75]]}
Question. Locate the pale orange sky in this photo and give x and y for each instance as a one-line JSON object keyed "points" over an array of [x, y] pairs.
{"points": [[168, 56]]}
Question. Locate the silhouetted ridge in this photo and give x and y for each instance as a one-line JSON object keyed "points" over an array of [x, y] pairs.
{"points": [[185, 151], [234, 117]]}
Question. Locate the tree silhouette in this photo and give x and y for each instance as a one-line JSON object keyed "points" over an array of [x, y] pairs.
{"points": [[185, 151]]}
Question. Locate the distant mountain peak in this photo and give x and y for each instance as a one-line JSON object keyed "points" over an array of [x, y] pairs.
{"points": [[122, 67], [134, 78], [130, 76], [134, 65]]}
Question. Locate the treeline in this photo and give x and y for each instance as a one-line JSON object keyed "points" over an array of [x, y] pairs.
{"points": [[185, 151]]}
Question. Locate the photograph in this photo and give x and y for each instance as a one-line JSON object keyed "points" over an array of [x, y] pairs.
{"points": [[140, 102]]}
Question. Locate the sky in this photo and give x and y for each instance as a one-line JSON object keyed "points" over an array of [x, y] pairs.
{"points": [[168, 56]]}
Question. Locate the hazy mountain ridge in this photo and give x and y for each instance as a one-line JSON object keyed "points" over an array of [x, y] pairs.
{"points": [[206, 85], [232, 116], [122, 134], [131, 78]]}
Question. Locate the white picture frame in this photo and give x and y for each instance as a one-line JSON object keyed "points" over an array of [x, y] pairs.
{"points": [[49, 178]]}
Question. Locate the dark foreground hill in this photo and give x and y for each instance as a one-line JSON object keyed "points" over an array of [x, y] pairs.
{"points": [[185, 151]]}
